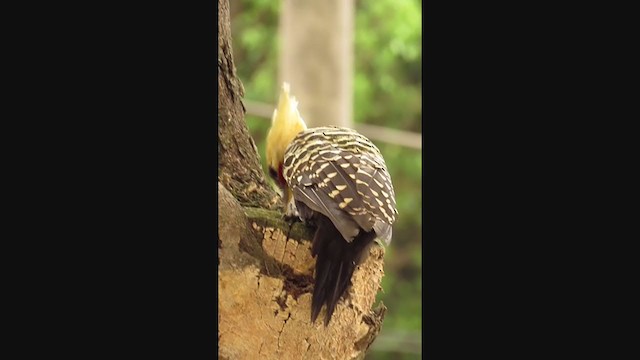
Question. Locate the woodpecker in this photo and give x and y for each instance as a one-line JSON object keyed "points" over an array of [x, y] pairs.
{"points": [[336, 179]]}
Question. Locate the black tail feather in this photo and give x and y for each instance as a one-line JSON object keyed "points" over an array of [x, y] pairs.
{"points": [[335, 263]]}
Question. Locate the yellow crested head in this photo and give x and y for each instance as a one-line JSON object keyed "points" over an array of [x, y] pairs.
{"points": [[286, 123]]}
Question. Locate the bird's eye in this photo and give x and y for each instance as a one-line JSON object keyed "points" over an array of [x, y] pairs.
{"points": [[273, 173]]}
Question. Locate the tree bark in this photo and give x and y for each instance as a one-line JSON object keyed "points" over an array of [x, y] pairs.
{"points": [[239, 168], [265, 270]]}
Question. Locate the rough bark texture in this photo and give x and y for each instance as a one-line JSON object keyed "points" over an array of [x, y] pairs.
{"points": [[265, 272], [239, 167]]}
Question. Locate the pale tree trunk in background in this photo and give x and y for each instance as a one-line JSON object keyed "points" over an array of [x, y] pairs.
{"points": [[265, 268], [316, 58]]}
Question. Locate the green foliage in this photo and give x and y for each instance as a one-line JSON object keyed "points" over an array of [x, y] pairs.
{"points": [[254, 26], [387, 92], [388, 64]]}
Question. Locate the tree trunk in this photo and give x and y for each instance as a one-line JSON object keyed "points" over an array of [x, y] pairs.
{"points": [[265, 270], [317, 58]]}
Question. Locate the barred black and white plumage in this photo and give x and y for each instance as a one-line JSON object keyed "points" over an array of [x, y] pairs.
{"points": [[337, 179], [340, 181], [341, 174]]}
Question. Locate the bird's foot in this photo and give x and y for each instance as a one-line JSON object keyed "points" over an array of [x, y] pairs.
{"points": [[291, 213], [290, 219]]}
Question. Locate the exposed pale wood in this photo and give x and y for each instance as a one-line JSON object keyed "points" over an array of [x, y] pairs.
{"points": [[265, 283]]}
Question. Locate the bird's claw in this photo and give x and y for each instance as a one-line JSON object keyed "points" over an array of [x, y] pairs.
{"points": [[291, 214], [290, 218]]}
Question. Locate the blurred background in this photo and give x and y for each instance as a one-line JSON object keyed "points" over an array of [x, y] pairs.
{"points": [[357, 64]]}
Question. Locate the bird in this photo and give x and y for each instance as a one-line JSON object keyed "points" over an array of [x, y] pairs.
{"points": [[335, 179]]}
